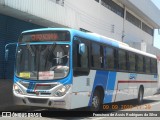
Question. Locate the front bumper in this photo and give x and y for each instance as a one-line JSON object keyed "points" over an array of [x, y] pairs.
{"points": [[53, 102]]}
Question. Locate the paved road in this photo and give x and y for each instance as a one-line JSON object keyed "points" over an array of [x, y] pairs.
{"points": [[151, 103]]}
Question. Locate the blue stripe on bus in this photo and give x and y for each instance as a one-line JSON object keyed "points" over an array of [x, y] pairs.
{"points": [[110, 87], [100, 80], [106, 80], [31, 87]]}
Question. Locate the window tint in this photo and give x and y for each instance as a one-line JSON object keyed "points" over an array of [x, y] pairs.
{"points": [[84, 59], [122, 59], [153, 65], [139, 63], [95, 56], [80, 62], [147, 64], [131, 59], [109, 58]]}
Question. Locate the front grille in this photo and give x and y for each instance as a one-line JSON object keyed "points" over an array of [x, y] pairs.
{"points": [[45, 93], [37, 100], [34, 93], [44, 86]]}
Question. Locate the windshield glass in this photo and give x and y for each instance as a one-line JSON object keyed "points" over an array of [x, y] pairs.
{"points": [[42, 62]]}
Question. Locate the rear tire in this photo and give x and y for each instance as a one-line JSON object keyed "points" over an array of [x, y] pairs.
{"points": [[140, 95], [96, 101]]}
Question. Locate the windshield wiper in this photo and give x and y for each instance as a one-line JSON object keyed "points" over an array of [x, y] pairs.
{"points": [[50, 52], [30, 49]]}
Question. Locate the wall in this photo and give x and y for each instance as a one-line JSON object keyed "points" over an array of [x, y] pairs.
{"points": [[86, 14], [10, 29]]}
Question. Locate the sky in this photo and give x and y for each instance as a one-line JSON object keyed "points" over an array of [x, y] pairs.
{"points": [[156, 32]]}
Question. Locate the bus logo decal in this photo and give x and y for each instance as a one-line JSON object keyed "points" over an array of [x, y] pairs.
{"points": [[132, 76]]}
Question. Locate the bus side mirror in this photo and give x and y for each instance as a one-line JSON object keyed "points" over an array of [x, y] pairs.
{"points": [[82, 48], [6, 54]]}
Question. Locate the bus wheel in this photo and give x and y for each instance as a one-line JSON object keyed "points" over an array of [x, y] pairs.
{"points": [[140, 95], [96, 101]]}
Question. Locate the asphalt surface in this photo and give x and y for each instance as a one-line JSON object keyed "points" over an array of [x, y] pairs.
{"points": [[150, 104]]}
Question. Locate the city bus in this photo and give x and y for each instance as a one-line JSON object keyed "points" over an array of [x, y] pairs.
{"points": [[68, 69]]}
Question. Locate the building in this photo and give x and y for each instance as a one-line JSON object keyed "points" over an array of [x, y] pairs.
{"points": [[129, 21]]}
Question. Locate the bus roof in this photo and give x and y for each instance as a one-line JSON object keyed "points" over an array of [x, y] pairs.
{"points": [[97, 38]]}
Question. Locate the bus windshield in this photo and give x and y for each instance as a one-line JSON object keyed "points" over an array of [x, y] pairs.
{"points": [[42, 62]]}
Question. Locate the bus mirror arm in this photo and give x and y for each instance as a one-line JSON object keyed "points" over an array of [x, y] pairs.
{"points": [[6, 54], [7, 50], [81, 48]]}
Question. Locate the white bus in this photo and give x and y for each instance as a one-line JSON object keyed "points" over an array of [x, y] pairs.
{"points": [[66, 68]]}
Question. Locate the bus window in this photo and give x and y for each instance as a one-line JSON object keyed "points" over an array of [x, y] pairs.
{"points": [[84, 59], [109, 58], [102, 56], [96, 57], [80, 61], [153, 66], [147, 65], [42, 62], [122, 60], [139, 63], [132, 64]]}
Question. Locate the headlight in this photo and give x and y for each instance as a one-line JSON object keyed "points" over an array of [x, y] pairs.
{"points": [[17, 89], [61, 91]]}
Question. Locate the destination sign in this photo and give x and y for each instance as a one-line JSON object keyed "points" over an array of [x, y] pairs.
{"points": [[45, 36]]}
